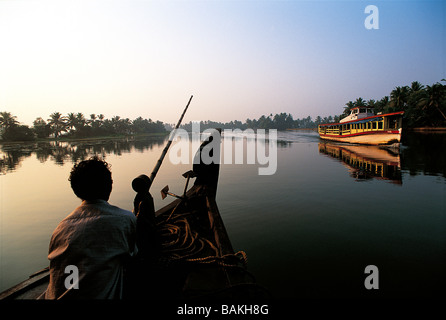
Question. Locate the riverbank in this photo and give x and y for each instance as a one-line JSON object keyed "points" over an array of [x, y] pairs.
{"points": [[72, 139], [302, 129], [420, 129], [429, 129]]}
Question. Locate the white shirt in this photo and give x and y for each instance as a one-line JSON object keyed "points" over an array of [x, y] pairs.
{"points": [[95, 238]]}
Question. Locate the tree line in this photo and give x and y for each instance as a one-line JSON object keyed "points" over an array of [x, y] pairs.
{"points": [[280, 121], [75, 125], [424, 106]]}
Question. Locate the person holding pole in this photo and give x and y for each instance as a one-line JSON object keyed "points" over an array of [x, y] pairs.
{"points": [[146, 233], [144, 207]]}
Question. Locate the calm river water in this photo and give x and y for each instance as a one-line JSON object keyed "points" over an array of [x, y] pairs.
{"points": [[309, 230]]}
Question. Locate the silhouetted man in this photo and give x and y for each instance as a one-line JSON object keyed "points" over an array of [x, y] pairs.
{"points": [[89, 248], [144, 210]]}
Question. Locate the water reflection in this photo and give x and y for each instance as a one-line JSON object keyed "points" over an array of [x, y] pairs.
{"points": [[311, 228], [366, 162], [421, 153], [424, 153], [60, 152]]}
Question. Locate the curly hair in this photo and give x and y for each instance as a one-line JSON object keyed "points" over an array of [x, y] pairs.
{"points": [[91, 179]]}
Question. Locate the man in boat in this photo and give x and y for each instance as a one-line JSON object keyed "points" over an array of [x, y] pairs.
{"points": [[147, 241], [94, 242], [144, 210]]}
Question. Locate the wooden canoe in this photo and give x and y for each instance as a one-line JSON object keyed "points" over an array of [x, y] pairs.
{"points": [[196, 259]]}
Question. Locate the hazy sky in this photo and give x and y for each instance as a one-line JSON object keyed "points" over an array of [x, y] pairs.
{"points": [[240, 59]]}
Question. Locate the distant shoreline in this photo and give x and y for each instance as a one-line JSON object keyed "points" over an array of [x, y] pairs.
{"points": [[428, 129], [419, 129], [302, 129], [69, 139]]}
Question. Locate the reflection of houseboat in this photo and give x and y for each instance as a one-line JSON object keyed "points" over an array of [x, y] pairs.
{"points": [[362, 126], [366, 162]]}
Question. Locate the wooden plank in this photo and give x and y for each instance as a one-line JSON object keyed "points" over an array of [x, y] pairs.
{"points": [[34, 280], [218, 227]]}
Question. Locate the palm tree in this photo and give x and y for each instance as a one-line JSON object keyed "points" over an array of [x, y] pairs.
{"points": [[398, 98], [382, 105], [101, 118], [349, 106], [416, 92], [415, 87], [371, 103], [360, 102], [7, 120], [71, 120], [115, 122], [92, 120], [58, 123], [435, 94], [414, 114], [80, 120]]}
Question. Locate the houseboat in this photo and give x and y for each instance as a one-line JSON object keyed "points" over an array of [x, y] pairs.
{"points": [[362, 126]]}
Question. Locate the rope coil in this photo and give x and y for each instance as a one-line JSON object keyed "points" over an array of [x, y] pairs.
{"points": [[181, 243]]}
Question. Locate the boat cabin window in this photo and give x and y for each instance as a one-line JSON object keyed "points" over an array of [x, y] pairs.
{"points": [[380, 125], [374, 125], [362, 110], [355, 111]]}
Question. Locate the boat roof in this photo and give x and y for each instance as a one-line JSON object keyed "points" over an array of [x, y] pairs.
{"points": [[363, 119]]}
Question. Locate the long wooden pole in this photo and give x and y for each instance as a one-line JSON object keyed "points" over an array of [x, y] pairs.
{"points": [[160, 160]]}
